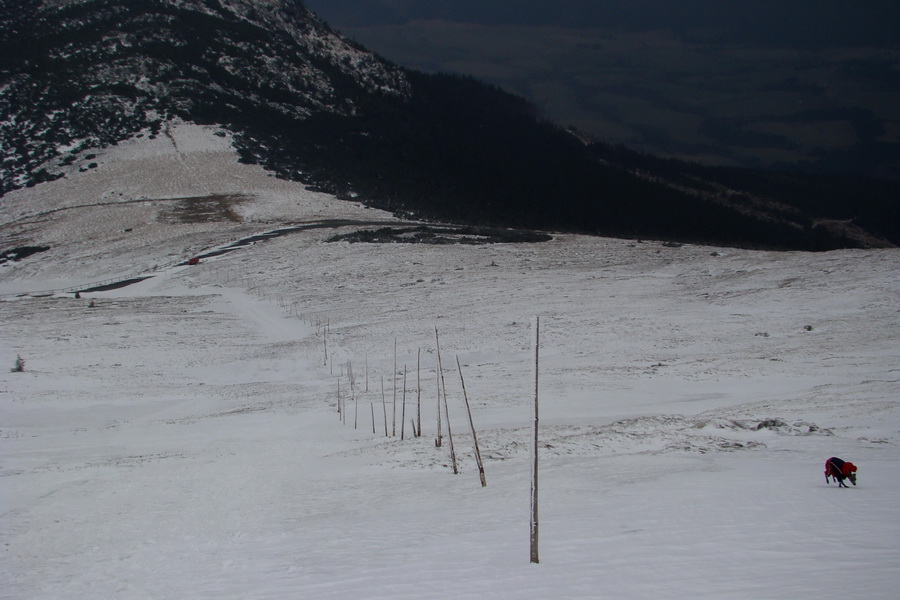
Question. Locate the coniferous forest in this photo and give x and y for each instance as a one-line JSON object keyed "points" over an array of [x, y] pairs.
{"points": [[461, 150]]}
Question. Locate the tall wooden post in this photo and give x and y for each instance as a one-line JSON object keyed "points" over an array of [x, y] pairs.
{"points": [[384, 407], [443, 386], [419, 393], [403, 410], [439, 375], [535, 341], [394, 383]]}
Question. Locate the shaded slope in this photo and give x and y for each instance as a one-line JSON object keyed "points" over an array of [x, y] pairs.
{"points": [[460, 150]]}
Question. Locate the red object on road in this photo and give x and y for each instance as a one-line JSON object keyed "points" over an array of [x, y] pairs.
{"points": [[194, 261]]}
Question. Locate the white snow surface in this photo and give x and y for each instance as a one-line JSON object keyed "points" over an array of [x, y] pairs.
{"points": [[179, 438]]}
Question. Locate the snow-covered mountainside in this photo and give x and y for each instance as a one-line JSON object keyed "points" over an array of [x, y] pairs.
{"points": [[78, 76], [179, 437], [150, 203], [82, 74]]}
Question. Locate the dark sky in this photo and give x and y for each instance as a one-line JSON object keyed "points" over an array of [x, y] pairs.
{"points": [[793, 22], [807, 83]]}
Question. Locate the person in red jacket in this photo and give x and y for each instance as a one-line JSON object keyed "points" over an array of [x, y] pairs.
{"points": [[840, 470]]}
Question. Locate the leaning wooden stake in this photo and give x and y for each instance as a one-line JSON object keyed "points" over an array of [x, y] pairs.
{"points": [[450, 435], [443, 387], [535, 342], [372, 404], [471, 425]]}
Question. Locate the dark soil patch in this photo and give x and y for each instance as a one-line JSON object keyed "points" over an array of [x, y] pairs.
{"points": [[114, 286], [268, 235], [20, 253], [427, 234]]}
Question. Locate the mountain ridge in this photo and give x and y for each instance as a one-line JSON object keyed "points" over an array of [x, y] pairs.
{"points": [[310, 105], [93, 72]]}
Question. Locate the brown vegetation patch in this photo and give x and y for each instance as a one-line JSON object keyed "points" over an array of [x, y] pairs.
{"points": [[204, 209]]}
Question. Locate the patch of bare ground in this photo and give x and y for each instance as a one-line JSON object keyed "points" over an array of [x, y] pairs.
{"points": [[204, 209]]}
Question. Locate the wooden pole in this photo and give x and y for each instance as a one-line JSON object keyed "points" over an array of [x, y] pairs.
{"points": [[450, 434], [353, 394], [439, 376], [350, 375], [372, 404], [394, 384], [535, 342], [403, 411], [419, 393], [443, 387], [471, 425], [384, 407]]}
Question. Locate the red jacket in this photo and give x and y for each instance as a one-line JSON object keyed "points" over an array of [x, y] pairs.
{"points": [[839, 469]]}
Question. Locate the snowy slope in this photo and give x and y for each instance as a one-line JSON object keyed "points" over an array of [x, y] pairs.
{"points": [[87, 74], [180, 437]]}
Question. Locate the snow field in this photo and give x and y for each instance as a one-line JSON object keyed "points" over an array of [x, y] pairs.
{"points": [[180, 438]]}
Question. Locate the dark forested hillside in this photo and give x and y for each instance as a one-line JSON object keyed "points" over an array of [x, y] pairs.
{"points": [[458, 149], [314, 107]]}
